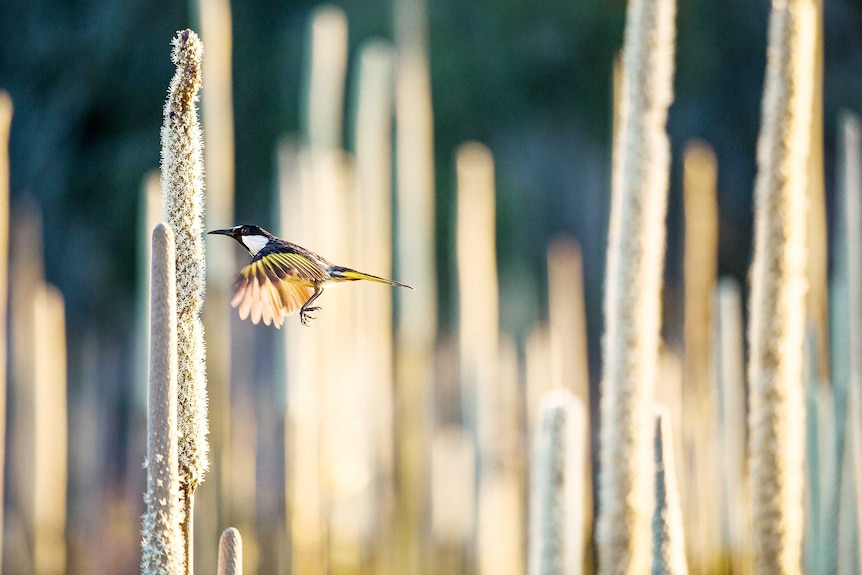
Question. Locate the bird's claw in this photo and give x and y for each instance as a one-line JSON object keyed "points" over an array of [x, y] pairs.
{"points": [[305, 315]]}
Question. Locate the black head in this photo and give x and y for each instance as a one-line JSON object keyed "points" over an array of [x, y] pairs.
{"points": [[237, 232], [251, 237]]}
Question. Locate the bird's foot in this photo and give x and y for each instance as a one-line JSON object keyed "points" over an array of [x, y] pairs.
{"points": [[305, 315]]}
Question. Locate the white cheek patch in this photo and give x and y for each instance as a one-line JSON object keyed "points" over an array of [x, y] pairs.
{"points": [[254, 243]]}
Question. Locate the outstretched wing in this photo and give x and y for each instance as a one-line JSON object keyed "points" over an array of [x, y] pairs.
{"points": [[275, 284]]}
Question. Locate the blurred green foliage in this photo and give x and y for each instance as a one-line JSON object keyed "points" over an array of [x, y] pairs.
{"points": [[530, 80]]}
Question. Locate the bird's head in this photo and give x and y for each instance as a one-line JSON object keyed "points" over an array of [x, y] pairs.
{"points": [[253, 238]]}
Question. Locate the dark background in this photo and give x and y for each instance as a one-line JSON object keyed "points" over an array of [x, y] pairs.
{"points": [[530, 80]]}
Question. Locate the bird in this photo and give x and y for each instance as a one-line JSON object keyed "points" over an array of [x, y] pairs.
{"points": [[283, 278]]}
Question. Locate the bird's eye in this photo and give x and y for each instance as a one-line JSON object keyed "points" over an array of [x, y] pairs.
{"points": [[245, 230]]}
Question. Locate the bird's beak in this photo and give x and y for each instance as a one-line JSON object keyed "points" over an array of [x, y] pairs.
{"points": [[227, 232]]}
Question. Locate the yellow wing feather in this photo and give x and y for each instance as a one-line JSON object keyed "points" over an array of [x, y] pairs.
{"points": [[277, 284], [274, 286]]}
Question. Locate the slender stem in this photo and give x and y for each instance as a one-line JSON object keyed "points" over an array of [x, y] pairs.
{"points": [[188, 530]]}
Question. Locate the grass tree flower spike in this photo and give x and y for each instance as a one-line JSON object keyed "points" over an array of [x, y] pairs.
{"points": [[636, 246], [183, 188], [557, 486], [230, 552], [778, 292], [162, 549], [668, 556]]}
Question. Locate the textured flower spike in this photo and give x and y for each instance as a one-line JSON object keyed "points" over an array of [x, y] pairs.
{"points": [[776, 329], [668, 555], [5, 125], [161, 542], [230, 552], [636, 247], [557, 486], [183, 188]]}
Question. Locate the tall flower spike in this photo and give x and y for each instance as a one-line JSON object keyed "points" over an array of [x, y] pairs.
{"points": [[162, 550], [183, 186], [668, 556], [778, 292], [636, 246], [557, 486], [230, 552], [5, 125]]}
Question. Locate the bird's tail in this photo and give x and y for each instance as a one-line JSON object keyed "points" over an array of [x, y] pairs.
{"points": [[353, 275]]}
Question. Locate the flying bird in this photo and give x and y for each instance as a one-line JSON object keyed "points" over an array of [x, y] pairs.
{"points": [[283, 277]]}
